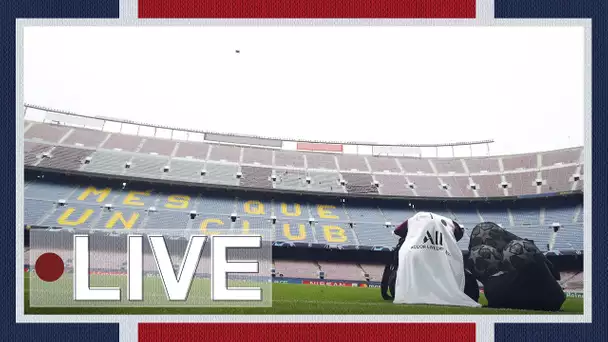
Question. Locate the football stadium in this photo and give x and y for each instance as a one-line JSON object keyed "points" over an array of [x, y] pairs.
{"points": [[330, 207]]}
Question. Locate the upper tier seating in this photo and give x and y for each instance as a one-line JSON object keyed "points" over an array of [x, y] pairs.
{"points": [[79, 149]]}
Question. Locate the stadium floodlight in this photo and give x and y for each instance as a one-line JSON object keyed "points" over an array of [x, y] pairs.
{"points": [[308, 179], [128, 165], [203, 172], [273, 177], [311, 220], [376, 183], [46, 155], [61, 202], [343, 181], [152, 209], [233, 217], [388, 224], [239, 174], [274, 219], [192, 214], [88, 159], [108, 206], [166, 168]]}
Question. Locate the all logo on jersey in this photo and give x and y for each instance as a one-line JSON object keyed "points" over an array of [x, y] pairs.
{"points": [[432, 241], [436, 240]]}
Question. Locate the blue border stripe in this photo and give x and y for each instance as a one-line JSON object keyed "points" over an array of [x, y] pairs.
{"points": [[598, 12], [9, 11]]}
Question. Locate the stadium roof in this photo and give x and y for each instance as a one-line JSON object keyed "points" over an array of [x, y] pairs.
{"points": [[118, 120]]}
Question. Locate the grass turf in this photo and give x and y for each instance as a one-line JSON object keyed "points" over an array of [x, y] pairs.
{"points": [[295, 299]]}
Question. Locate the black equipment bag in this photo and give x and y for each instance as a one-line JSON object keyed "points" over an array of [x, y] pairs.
{"points": [[471, 288], [516, 275], [389, 276]]}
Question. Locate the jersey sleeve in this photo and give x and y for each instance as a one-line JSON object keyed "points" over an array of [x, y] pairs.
{"points": [[458, 231], [401, 230]]}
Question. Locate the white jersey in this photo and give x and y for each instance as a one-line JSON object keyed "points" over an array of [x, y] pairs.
{"points": [[431, 266]]}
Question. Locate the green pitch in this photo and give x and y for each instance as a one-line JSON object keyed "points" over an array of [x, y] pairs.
{"points": [[300, 299]]}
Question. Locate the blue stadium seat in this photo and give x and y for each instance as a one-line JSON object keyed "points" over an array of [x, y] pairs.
{"points": [[86, 207]]}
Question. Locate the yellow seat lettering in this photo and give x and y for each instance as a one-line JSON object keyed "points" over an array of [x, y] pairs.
{"points": [[101, 194], [178, 202], [325, 212], [301, 232], [206, 222], [254, 207], [64, 219], [297, 210], [334, 234], [133, 198], [118, 216]]}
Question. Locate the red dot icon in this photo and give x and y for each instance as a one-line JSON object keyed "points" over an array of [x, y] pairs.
{"points": [[49, 267]]}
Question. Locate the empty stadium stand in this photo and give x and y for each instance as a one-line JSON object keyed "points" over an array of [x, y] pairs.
{"points": [[572, 280], [374, 271], [290, 179], [256, 177], [296, 269], [196, 150], [333, 220], [221, 173], [383, 164], [341, 271], [393, 185], [78, 149], [86, 178], [55, 202], [321, 161], [257, 156], [325, 182], [290, 159], [187, 170]]}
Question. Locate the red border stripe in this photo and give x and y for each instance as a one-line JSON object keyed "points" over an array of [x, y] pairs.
{"points": [[285, 332], [427, 9]]}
